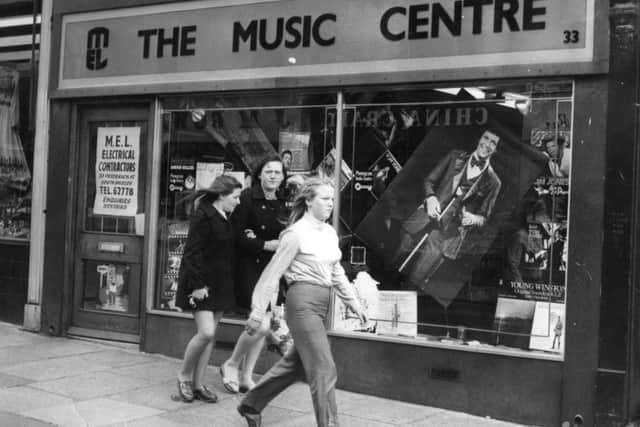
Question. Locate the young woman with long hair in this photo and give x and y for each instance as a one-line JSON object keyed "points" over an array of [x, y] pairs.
{"points": [[205, 283], [309, 258]]}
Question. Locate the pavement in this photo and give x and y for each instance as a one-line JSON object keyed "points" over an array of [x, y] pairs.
{"points": [[69, 382]]}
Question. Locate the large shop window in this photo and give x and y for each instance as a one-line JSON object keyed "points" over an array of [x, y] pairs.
{"points": [[453, 200], [16, 152], [455, 222], [204, 136]]}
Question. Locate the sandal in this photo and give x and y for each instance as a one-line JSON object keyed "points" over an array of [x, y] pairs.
{"points": [[230, 383]]}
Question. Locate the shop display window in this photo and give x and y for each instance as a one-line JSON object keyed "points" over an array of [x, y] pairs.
{"points": [[454, 225], [453, 200], [204, 136], [16, 152]]}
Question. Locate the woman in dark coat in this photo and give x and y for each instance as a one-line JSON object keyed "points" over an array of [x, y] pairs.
{"points": [[205, 284], [258, 220]]}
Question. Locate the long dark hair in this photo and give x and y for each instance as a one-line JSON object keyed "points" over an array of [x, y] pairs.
{"points": [[222, 186], [308, 192]]}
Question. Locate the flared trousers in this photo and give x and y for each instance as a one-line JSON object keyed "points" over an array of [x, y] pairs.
{"points": [[309, 359]]}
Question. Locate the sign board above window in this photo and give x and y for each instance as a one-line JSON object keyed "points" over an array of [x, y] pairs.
{"points": [[248, 40]]}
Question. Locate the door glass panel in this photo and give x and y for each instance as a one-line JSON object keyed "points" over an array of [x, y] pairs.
{"points": [[107, 286], [120, 175]]}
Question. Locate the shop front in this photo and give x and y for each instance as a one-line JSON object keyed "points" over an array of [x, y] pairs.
{"points": [[461, 140]]}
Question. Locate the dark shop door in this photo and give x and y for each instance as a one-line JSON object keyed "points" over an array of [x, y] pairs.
{"points": [[110, 222]]}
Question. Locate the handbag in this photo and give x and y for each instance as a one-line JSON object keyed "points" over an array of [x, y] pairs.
{"points": [[279, 339]]}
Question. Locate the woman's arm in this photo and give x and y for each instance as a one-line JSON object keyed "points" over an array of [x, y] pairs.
{"points": [[248, 241], [344, 288], [266, 289], [193, 258]]}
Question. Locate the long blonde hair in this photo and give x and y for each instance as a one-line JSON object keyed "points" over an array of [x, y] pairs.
{"points": [[308, 191]]}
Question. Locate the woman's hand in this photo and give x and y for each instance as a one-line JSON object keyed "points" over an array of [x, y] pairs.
{"points": [[360, 314], [271, 245], [252, 326], [200, 294], [364, 319]]}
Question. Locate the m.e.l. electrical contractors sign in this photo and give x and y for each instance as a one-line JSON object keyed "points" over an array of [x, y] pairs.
{"points": [[250, 39]]}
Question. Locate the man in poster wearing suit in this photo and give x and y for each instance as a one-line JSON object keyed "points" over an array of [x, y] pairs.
{"points": [[459, 196]]}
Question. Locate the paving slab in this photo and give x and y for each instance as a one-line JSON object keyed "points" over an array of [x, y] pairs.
{"points": [[224, 414], [156, 421], [19, 399], [13, 420], [385, 410], [119, 358], [21, 338], [157, 396], [95, 412], [60, 347], [349, 421], [7, 380], [49, 369], [15, 355], [60, 415], [91, 385], [153, 372]]}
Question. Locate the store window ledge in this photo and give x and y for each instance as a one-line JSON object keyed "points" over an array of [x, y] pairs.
{"points": [[423, 342], [227, 320], [168, 313], [420, 341], [13, 241]]}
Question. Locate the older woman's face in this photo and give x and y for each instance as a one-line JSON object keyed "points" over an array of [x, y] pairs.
{"points": [[322, 204], [271, 176]]}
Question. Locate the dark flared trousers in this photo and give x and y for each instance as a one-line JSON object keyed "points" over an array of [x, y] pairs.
{"points": [[309, 359]]}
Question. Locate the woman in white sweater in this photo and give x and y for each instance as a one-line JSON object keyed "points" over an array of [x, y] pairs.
{"points": [[309, 258]]}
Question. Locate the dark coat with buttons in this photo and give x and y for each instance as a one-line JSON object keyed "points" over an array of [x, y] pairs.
{"points": [[266, 219], [208, 260]]}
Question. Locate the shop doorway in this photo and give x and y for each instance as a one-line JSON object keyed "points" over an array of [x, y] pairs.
{"points": [[107, 291]]}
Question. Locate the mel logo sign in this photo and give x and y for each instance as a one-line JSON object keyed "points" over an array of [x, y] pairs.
{"points": [[97, 39]]}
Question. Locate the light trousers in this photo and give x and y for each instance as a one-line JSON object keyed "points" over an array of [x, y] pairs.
{"points": [[309, 359]]}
